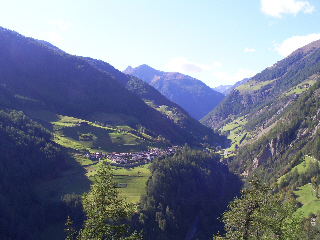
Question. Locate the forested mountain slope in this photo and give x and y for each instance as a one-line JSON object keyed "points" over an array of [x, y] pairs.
{"points": [[28, 155], [185, 195], [191, 94], [40, 77], [273, 121], [295, 135], [40, 86], [269, 90], [154, 99]]}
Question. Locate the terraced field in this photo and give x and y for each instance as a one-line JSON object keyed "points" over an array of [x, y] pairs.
{"points": [[79, 137], [79, 134], [236, 134]]}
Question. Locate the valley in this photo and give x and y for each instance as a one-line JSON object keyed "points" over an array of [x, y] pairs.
{"points": [[62, 116]]}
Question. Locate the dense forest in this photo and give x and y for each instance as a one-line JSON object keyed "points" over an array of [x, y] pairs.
{"points": [[294, 136], [29, 155], [156, 100], [186, 192]]}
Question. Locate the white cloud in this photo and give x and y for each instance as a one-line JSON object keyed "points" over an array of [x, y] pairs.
{"points": [[54, 36], [249, 50], [276, 8], [58, 28], [181, 64], [272, 23], [217, 64], [295, 42], [233, 78], [62, 25]]}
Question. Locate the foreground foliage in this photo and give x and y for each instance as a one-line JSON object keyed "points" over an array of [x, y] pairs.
{"points": [[107, 215], [259, 215]]}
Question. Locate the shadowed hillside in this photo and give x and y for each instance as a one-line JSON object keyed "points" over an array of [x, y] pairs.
{"points": [[191, 94], [40, 77]]}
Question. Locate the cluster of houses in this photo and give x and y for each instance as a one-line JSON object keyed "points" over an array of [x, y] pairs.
{"points": [[138, 157], [97, 155]]}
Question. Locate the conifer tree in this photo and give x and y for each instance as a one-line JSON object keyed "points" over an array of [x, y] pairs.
{"points": [[107, 214]]}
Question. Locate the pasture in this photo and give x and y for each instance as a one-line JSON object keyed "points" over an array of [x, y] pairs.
{"points": [[131, 181], [307, 196], [301, 168]]}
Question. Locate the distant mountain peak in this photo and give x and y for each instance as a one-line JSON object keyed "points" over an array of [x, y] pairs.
{"points": [[128, 70], [190, 93]]}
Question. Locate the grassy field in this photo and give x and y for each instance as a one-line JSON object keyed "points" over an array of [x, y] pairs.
{"points": [[77, 139], [305, 194], [236, 133], [132, 182], [114, 135], [300, 167], [169, 112], [93, 136], [252, 85], [72, 179], [307, 197], [300, 87]]}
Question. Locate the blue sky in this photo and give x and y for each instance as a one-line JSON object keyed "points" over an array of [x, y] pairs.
{"points": [[216, 41]]}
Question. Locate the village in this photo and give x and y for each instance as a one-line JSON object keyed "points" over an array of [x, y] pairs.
{"points": [[131, 158]]}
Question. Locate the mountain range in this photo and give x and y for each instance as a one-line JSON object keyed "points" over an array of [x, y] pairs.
{"points": [[54, 107], [272, 122], [46, 78], [191, 94], [226, 89]]}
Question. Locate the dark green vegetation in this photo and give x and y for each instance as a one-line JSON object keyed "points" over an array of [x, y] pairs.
{"points": [[54, 108], [272, 122], [259, 215], [267, 90], [34, 76], [185, 195], [280, 149], [28, 157], [191, 94], [106, 215]]}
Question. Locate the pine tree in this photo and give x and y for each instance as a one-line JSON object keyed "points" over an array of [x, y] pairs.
{"points": [[107, 214]]}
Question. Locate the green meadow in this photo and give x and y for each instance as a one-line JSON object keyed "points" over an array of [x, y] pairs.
{"points": [[130, 181], [236, 133], [300, 88], [93, 136], [252, 85], [79, 138], [301, 168], [307, 197], [305, 194]]}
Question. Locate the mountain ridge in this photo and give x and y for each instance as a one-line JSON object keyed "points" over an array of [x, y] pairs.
{"points": [[265, 87], [191, 94], [71, 85], [272, 119]]}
